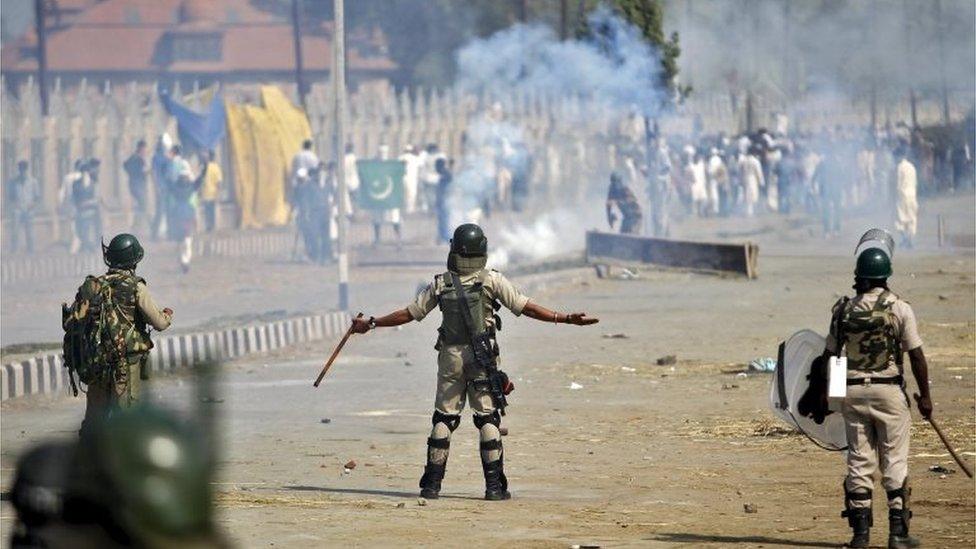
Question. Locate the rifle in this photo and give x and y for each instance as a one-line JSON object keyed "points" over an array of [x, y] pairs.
{"points": [[335, 353], [485, 353]]}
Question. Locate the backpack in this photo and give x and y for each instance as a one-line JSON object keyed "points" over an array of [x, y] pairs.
{"points": [[101, 332]]}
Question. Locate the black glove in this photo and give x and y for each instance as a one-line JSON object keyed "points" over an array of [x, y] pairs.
{"points": [[813, 404]]}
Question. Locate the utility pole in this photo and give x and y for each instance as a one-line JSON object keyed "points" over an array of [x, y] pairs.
{"points": [[563, 19], [522, 10], [940, 32], [40, 25], [909, 56], [338, 145], [296, 32], [787, 49], [753, 66], [874, 67]]}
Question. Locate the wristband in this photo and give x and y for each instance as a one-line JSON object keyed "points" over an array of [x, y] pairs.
{"points": [[372, 322]]}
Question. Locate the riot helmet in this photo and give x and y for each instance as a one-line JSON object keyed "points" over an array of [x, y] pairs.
{"points": [[150, 473], [469, 241], [469, 250], [873, 264], [123, 252]]}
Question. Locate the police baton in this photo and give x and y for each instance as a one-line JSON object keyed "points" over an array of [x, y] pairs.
{"points": [[335, 353], [945, 442]]}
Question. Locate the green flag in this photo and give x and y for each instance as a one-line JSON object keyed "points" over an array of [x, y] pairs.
{"points": [[380, 184]]}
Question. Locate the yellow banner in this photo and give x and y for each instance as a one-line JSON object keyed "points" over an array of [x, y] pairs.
{"points": [[263, 141]]}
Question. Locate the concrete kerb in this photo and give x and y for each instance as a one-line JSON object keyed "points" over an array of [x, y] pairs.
{"points": [[45, 374]]}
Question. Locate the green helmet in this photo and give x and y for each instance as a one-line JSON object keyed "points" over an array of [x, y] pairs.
{"points": [[469, 241], [151, 472], [873, 263], [123, 252], [469, 250]]}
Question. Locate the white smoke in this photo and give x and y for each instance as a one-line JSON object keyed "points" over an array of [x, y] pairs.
{"points": [[618, 69], [612, 76]]}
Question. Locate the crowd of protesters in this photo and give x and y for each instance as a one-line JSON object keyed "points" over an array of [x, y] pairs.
{"points": [[823, 173], [314, 196], [653, 178], [179, 190]]}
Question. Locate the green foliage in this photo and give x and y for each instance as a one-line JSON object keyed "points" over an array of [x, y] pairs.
{"points": [[423, 35], [648, 17]]}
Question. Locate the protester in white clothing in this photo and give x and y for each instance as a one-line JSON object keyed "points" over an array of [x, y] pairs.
{"points": [[412, 164], [906, 202], [352, 179], [752, 179]]}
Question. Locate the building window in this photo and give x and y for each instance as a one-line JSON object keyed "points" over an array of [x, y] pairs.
{"points": [[196, 47]]}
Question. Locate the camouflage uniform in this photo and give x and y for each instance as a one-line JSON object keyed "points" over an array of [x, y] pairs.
{"points": [[137, 310], [875, 327]]}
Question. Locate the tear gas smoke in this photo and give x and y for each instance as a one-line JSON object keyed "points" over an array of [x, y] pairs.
{"points": [[608, 78]]}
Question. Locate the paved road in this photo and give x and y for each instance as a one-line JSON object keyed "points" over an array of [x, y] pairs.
{"points": [[640, 455]]}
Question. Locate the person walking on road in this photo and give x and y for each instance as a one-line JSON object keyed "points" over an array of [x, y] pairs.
{"points": [[875, 328], [23, 197], [109, 352], [137, 170], [906, 199]]}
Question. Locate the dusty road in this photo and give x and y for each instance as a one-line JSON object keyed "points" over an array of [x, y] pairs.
{"points": [[641, 455]]}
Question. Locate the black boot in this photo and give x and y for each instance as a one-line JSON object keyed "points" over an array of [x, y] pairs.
{"points": [[898, 537], [496, 485], [430, 483], [860, 520]]}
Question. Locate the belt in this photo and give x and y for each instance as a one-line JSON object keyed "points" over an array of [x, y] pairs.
{"points": [[894, 380]]}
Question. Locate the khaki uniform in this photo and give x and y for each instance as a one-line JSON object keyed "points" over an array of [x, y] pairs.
{"points": [[877, 415], [123, 391], [457, 372], [456, 366]]}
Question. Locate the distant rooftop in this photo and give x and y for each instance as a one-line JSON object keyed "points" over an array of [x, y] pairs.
{"points": [[160, 37]]}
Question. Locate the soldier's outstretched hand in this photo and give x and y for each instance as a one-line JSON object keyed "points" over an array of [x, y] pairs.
{"points": [[580, 319]]}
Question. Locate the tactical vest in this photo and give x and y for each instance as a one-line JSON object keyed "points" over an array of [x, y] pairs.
{"points": [[870, 335], [453, 330]]}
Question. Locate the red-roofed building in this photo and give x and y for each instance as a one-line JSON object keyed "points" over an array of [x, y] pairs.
{"points": [[225, 41]]}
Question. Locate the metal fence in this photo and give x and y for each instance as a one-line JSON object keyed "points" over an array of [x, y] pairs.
{"points": [[105, 121]]}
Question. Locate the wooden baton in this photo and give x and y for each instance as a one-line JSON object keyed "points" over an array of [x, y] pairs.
{"points": [[945, 442], [335, 353]]}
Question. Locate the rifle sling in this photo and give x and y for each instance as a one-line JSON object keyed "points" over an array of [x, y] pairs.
{"points": [[469, 322]]}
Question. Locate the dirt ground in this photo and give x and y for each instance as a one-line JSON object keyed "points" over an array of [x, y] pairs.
{"points": [[638, 455]]}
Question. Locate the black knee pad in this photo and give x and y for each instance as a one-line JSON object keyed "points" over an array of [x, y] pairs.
{"points": [[494, 418], [452, 421]]}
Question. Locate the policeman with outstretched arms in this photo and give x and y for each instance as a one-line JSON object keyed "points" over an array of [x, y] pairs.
{"points": [[875, 328], [468, 296]]}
